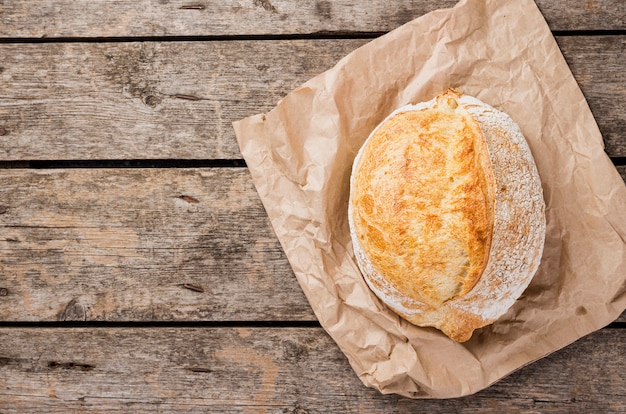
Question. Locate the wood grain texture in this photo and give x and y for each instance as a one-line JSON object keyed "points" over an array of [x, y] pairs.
{"points": [[142, 245], [177, 100], [287, 370], [116, 18], [146, 100], [194, 245], [606, 91]]}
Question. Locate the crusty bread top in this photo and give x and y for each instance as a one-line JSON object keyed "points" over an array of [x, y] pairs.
{"points": [[423, 201], [446, 213]]}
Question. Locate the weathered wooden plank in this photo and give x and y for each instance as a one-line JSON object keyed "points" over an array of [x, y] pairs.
{"points": [[605, 89], [65, 18], [177, 100], [295, 370], [141, 245], [146, 100]]}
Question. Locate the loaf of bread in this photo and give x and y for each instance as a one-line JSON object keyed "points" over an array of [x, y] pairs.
{"points": [[446, 213]]}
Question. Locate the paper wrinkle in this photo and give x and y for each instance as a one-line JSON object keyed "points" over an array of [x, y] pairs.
{"points": [[300, 156]]}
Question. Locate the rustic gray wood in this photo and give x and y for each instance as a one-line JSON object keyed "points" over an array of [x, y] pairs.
{"points": [[146, 100], [606, 91], [142, 245], [178, 99], [194, 245], [286, 370], [66, 18]]}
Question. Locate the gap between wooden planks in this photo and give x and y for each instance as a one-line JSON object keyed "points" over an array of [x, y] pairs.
{"points": [[177, 100], [296, 370], [183, 244]]}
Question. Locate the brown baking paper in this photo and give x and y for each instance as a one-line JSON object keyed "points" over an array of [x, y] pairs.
{"points": [[300, 156]]}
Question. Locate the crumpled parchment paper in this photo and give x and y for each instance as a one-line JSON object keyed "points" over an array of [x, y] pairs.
{"points": [[300, 155]]}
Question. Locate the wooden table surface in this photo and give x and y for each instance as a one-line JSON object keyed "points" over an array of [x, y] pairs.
{"points": [[138, 269]]}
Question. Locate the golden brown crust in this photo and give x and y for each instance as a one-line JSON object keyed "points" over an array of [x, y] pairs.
{"points": [[422, 201], [446, 213]]}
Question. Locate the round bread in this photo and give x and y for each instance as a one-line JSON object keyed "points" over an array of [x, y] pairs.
{"points": [[446, 213]]}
